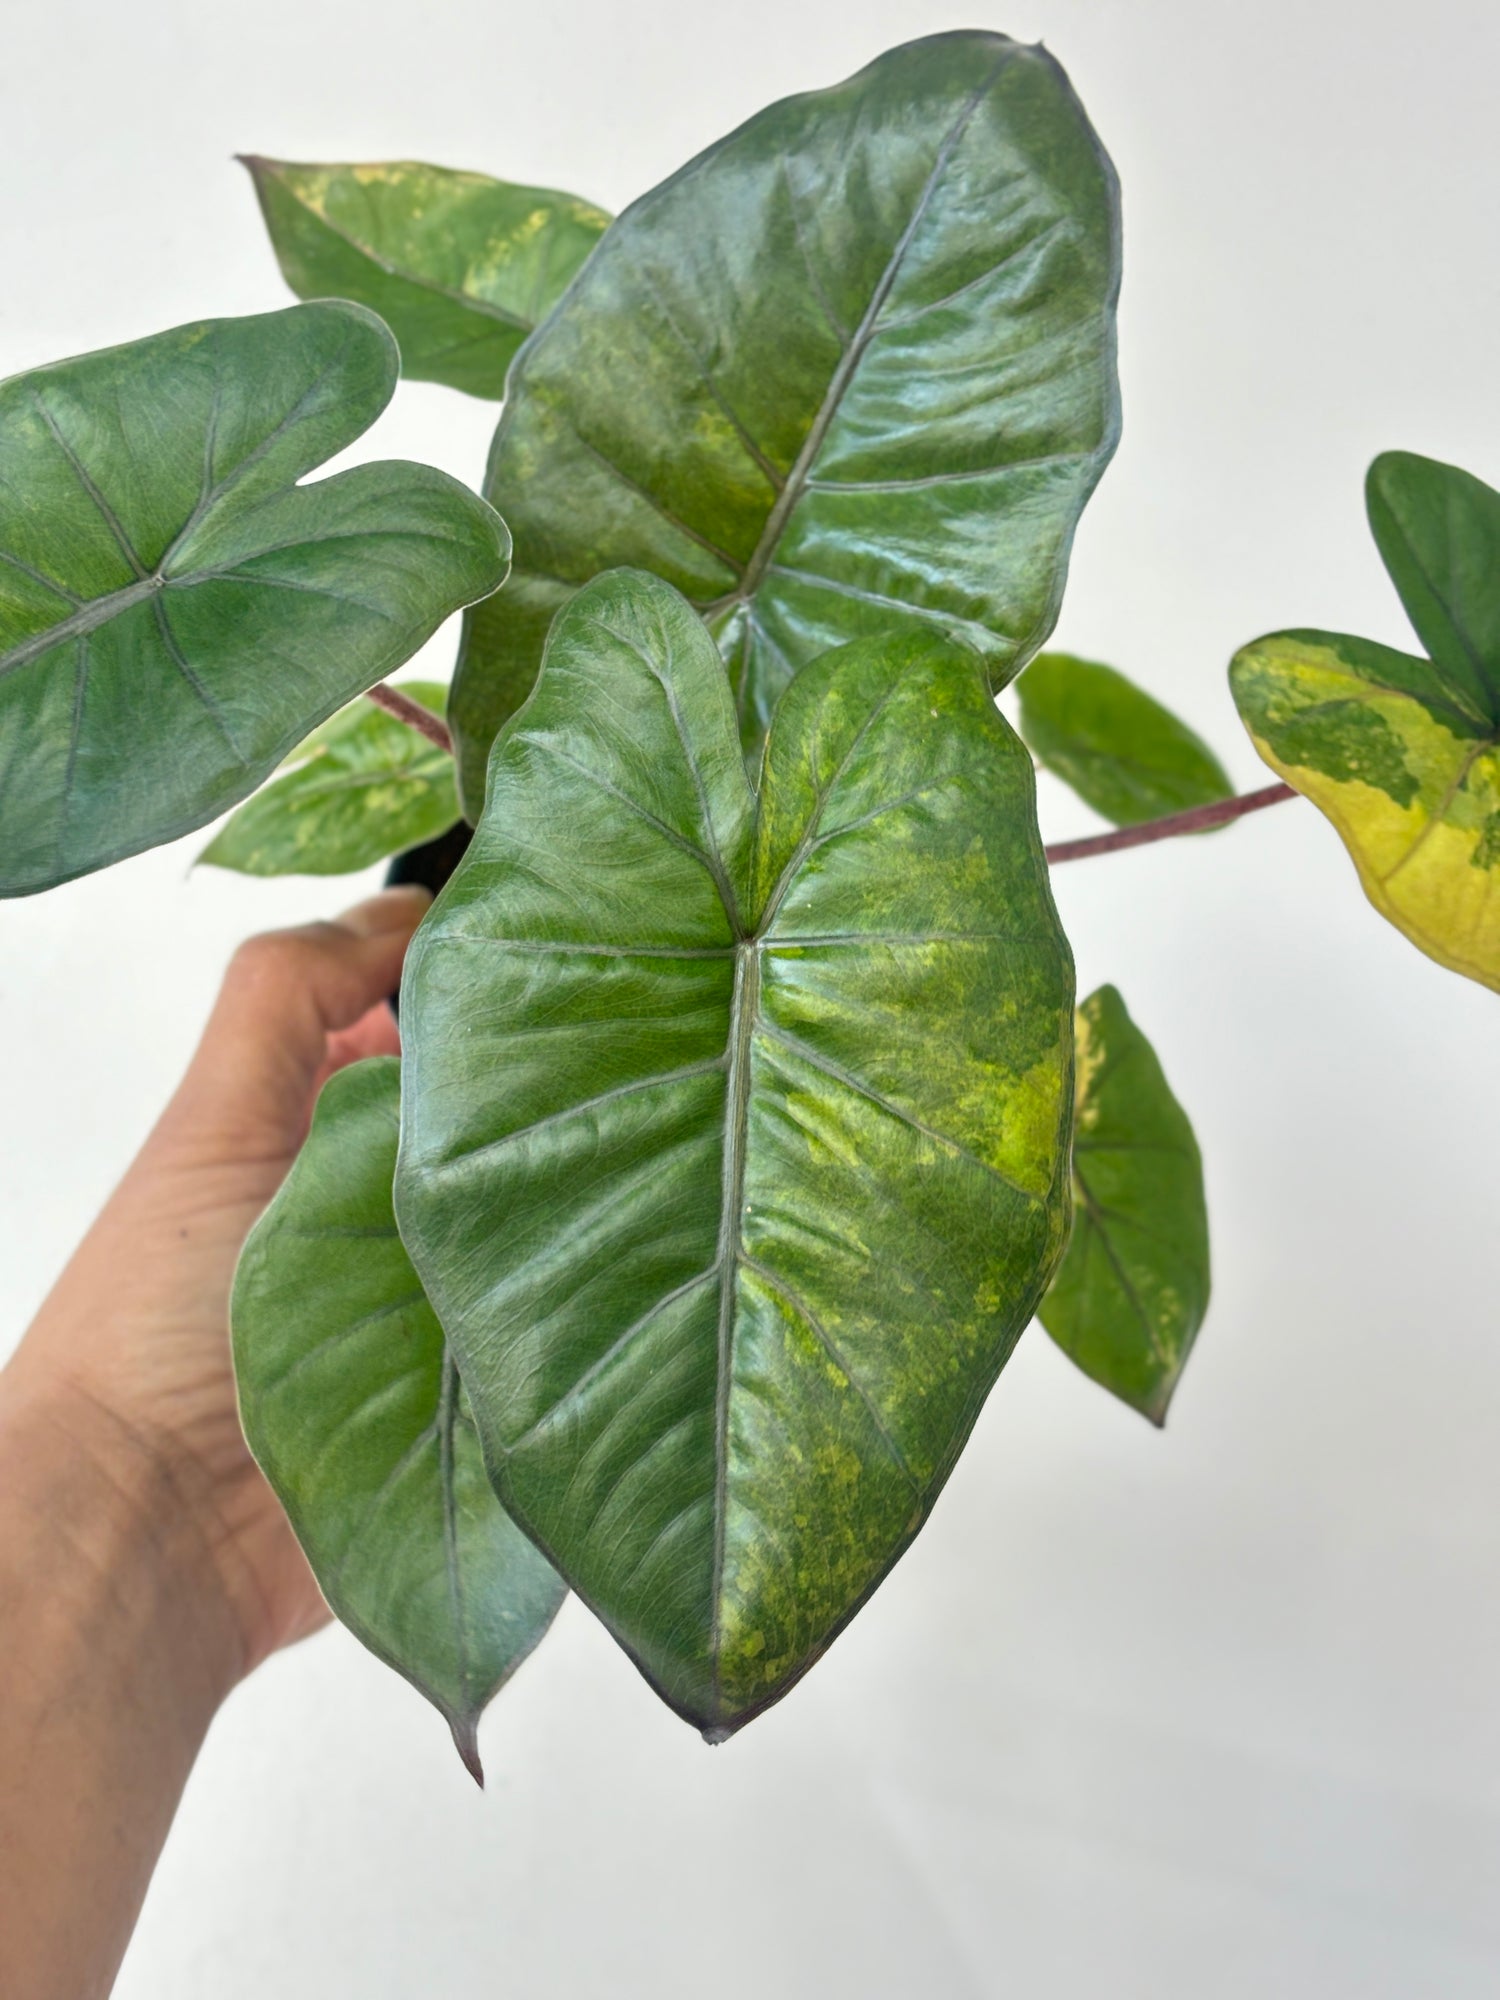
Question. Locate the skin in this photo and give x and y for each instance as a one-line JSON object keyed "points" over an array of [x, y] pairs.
{"points": [[145, 1566]]}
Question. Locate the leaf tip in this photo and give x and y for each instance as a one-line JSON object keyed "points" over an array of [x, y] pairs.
{"points": [[465, 1730]]}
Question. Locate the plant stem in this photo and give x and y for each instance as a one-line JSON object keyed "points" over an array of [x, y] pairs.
{"points": [[412, 713], [1195, 820]]}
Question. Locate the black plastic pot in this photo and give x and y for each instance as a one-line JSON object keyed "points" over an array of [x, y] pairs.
{"points": [[430, 864]]}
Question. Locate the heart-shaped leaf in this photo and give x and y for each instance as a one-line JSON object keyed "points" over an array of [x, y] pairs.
{"points": [[850, 370], [1131, 1293], [352, 1406], [1121, 751], [1403, 754], [735, 1131], [363, 786], [176, 612], [461, 266]]}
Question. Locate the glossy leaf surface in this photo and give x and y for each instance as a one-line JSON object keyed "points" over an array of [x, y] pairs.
{"points": [[352, 1406], [1402, 754], [851, 370], [734, 1149], [1120, 750], [363, 786], [460, 266], [1131, 1293], [176, 611]]}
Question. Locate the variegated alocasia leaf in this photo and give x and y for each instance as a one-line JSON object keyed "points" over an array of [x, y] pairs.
{"points": [[1120, 750], [353, 1407], [735, 1128], [1402, 754], [176, 610], [363, 786], [1131, 1293], [851, 370], [462, 267]]}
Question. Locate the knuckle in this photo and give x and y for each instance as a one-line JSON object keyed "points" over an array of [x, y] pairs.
{"points": [[275, 956]]}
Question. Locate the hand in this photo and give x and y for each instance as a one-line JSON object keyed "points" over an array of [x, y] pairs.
{"points": [[128, 1361]]}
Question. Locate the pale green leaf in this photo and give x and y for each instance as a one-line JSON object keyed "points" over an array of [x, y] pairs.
{"points": [[461, 267], [363, 786]]}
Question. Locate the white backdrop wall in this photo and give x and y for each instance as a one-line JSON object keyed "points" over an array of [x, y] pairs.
{"points": [[1211, 1713]]}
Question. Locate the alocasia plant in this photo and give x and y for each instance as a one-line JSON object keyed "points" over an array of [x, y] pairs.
{"points": [[744, 1119]]}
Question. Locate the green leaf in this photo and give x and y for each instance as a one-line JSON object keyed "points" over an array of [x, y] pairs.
{"points": [[735, 1131], [352, 1405], [1403, 754], [850, 370], [363, 786], [176, 611], [1132, 1291], [1438, 532], [460, 265], [1123, 753]]}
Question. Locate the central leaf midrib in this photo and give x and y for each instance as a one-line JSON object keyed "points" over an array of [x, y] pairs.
{"points": [[796, 480], [744, 1007], [87, 618]]}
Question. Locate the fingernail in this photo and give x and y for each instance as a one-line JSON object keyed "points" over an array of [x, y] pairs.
{"points": [[397, 909]]}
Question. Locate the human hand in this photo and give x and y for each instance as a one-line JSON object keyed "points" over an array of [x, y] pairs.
{"points": [[128, 1362]]}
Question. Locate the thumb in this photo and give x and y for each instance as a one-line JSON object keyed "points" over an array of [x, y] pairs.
{"points": [[250, 1084]]}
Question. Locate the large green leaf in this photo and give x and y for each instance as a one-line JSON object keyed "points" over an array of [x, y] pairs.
{"points": [[461, 266], [176, 612], [1130, 1295], [352, 1405], [1123, 753], [735, 1132], [850, 370], [363, 786], [1403, 754]]}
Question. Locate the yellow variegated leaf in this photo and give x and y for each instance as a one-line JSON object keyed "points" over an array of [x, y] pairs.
{"points": [[1407, 775]]}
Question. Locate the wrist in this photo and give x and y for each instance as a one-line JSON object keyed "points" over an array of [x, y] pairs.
{"points": [[102, 1513]]}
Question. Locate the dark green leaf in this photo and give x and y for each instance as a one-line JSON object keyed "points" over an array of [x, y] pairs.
{"points": [[1130, 1296], [851, 370], [352, 1405], [735, 1136], [460, 265], [1438, 532], [1123, 753], [176, 612], [361, 787]]}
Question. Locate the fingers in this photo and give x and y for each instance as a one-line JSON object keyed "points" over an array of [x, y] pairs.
{"points": [[285, 993], [373, 1034]]}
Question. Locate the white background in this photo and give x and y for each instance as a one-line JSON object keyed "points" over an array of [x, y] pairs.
{"points": [[1208, 1714]]}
